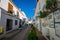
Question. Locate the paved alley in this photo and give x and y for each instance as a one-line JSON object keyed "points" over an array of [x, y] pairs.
{"points": [[17, 35]]}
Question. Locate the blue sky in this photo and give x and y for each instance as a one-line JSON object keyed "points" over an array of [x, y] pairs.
{"points": [[27, 6]]}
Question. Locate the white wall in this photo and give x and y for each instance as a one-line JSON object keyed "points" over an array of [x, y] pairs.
{"points": [[4, 17], [38, 26], [24, 16], [52, 33], [15, 10], [20, 15], [37, 9], [4, 4], [40, 5], [0, 16], [57, 38]]}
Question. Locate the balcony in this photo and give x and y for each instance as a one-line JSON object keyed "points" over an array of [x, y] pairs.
{"points": [[9, 13]]}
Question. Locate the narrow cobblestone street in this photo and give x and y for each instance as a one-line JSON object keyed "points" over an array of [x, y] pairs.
{"points": [[17, 35], [29, 19], [21, 35]]}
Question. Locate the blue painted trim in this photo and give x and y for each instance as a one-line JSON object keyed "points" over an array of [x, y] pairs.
{"points": [[57, 22]]}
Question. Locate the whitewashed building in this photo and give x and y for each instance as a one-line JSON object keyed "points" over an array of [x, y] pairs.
{"points": [[39, 7], [10, 16], [50, 25]]}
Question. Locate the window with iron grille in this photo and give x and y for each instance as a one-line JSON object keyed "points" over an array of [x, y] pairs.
{"points": [[16, 22]]}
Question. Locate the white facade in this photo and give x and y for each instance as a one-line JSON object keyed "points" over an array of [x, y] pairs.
{"points": [[48, 29], [23, 17], [39, 7], [30, 21], [4, 17], [9, 19], [4, 4], [47, 23]]}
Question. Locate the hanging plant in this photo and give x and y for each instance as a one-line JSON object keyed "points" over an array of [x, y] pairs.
{"points": [[41, 14]]}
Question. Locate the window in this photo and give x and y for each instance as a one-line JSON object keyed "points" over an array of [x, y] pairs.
{"points": [[16, 22], [10, 8], [17, 13]]}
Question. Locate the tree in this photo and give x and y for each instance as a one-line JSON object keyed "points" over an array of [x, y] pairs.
{"points": [[48, 4], [51, 5]]}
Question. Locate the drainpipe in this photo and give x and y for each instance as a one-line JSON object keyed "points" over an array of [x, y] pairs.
{"points": [[40, 23]]}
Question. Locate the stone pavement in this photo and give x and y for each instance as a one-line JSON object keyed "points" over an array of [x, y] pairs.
{"points": [[17, 34], [40, 36], [12, 33], [22, 35]]}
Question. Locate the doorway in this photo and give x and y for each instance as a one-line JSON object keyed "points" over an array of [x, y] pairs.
{"points": [[9, 24]]}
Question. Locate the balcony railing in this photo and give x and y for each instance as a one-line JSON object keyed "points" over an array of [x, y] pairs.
{"points": [[8, 13]]}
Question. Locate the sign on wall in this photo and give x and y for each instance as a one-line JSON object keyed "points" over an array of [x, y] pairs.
{"points": [[1, 30]]}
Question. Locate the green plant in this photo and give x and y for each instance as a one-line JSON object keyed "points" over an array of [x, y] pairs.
{"points": [[32, 26], [51, 5], [41, 14], [32, 34], [48, 4]]}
